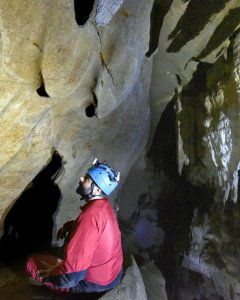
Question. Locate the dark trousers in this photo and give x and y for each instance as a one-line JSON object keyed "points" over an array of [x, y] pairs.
{"points": [[88, 287]]}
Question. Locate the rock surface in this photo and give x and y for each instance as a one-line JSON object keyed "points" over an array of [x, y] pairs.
{"points": [[192, 158], [62, 86], [84, 91], [131, 287], [153, 281]]}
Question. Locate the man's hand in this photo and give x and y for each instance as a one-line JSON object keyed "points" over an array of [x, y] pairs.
{"points": [[43, 274], [62, 233]]}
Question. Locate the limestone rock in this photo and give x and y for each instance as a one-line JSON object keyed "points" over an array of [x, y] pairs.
{"points": [[195, 102], [43, 48], [154, 282], [208, 128], [105, 11], [128, 48], [131, 287], [200, 69]]}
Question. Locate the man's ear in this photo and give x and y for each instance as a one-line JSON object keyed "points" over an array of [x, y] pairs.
{"points": [[97, 190]]}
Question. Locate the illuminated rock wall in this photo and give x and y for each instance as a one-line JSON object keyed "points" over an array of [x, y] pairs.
{"points": [[80, 89], [189, 175]]}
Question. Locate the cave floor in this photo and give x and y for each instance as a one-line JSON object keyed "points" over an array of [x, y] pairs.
{"points": [[22, 290]]}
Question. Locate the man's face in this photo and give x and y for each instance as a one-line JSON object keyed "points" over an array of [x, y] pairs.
{"points": [[85, 186]]}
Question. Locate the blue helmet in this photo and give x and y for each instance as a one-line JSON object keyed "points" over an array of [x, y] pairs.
{"points": [[105, 178]]}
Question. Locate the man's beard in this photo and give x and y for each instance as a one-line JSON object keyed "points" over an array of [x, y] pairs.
{"points": [[83, 192]]}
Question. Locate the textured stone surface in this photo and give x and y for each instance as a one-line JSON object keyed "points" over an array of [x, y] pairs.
{"points": [[194, 96], [214, 250], [193, 160], [154, 282], [131, 287], [208, 127], [42, 46]]}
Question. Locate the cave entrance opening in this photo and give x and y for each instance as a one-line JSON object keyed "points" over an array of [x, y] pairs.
{"points": [[29, 224]]}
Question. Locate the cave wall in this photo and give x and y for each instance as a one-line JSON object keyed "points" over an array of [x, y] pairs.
{"points": [[187, 181], [80, 89], [80, 84], [196, 69], [195, 66]]}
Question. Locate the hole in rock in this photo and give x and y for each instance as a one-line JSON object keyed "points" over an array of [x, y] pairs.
{"points": [[90, 111], [82, 10], [42, 92], [29, 224]]}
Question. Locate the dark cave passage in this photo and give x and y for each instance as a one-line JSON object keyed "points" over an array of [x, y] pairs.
{"points": [[29, 224], [175, 214], [175, 205]]}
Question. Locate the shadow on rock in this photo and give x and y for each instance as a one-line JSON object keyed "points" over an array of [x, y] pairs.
{"points": [[29, 224]]}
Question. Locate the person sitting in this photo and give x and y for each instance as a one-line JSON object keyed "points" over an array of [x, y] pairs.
{"points": [[93, 257]]}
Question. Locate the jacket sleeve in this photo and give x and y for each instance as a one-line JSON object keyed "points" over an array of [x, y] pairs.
{"points": [[78, 253]]}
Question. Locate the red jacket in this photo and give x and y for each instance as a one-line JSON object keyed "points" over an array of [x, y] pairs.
{"points": [[94, 251]]}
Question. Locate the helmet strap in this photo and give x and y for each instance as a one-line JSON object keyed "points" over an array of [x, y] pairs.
{"points": [[90, 194]]}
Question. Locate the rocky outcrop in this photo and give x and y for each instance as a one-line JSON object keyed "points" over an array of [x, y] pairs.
{"points": [[131, 287], [207, 128], [193, 159], [199, 66], [154, 281], [214, 250]]}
